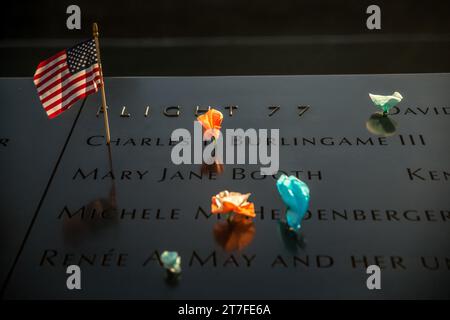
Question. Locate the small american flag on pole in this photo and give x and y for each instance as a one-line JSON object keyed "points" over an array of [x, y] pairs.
{"points": [[68, 76]]}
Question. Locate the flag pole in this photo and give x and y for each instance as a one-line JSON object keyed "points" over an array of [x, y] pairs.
{"points": [[104, 107]]}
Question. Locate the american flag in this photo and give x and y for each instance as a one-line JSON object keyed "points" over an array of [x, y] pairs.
{"points": [[67, 77]]}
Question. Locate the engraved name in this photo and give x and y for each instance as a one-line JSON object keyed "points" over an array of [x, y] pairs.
{"points": [[167, 174], [312, 141]]}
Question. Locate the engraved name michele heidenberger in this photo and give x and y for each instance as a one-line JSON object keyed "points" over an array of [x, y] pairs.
{"points": [[263, 213]]}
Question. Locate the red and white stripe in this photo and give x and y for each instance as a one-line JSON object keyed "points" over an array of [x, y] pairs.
{"points": [[58, 88]]}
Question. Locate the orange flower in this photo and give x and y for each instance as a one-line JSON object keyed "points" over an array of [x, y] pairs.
{"points": [[225, 202], [211, 122]]}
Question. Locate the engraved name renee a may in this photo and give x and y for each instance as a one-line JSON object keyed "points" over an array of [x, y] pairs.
{"points": [[170, 174], [213, 259]]}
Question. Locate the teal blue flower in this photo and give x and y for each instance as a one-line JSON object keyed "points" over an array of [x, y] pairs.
{"points": [[171, 261], [385, 103], [295, 195]]}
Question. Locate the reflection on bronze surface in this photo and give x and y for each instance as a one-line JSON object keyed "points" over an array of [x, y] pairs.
{"points": [[292, 240], [172, 279], [77, 228], [216, 168], [235, 234], [381, 125]]}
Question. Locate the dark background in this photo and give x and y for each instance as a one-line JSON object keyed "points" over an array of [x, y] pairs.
{"points": [[233, 37]]}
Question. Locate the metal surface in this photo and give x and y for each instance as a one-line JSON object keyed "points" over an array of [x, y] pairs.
{"points": [[117, 252], [29, 151]]}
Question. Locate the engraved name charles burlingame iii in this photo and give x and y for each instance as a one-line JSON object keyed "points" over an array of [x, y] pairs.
{"points": [[411, 140]]}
